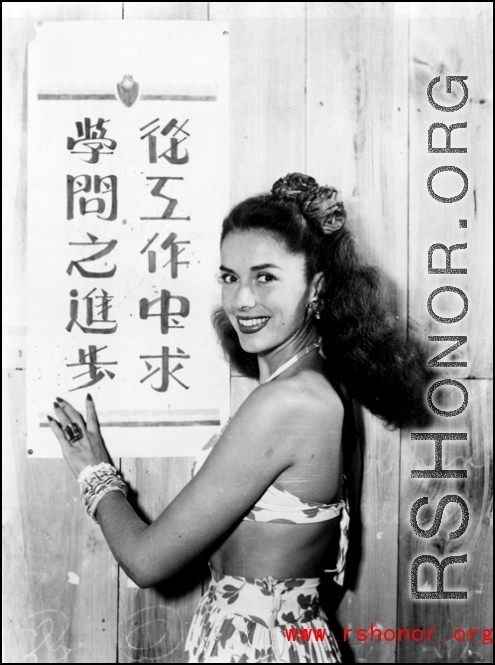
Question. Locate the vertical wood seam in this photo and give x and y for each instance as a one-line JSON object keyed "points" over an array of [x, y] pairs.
{"points": [[306, 113], [408, 237], [398, 576], [119, 569], [408, 286]]}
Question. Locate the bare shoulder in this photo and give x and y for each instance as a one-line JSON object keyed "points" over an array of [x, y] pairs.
{"points": [[289, 396], [306, 392], [302, 406]]}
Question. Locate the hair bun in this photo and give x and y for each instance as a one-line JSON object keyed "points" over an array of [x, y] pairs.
{"points": [[294, 186], [322, 208], [319, 205]]}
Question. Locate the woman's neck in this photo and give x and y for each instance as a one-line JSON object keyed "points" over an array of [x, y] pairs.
{"points": [[270, 361]]}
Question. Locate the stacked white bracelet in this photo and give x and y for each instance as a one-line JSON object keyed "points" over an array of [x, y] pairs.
{"points": [[95, 482]]}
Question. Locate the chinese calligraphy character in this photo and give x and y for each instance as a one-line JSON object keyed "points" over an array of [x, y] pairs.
{"points": [[173, 245], [171, 154], [93, 257], [106, 185], [156, 191], [165, 369], [94, 371], [165, 314], [90, 316], [95, 140]]}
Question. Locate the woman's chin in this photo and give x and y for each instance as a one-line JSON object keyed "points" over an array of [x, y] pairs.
{"points": [[256, 346], [251, 345]]}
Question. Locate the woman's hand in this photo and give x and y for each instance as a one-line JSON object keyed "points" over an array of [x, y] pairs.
{"points": [[87, 450]]}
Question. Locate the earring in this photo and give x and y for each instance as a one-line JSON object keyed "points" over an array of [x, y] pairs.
{"points": [[315, 306]]}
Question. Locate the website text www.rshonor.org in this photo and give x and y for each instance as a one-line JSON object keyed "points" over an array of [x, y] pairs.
{"points": [[376, 634]]}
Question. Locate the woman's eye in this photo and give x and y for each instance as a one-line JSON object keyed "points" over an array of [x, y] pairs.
{"points": [[265, 277], [225, 278]]}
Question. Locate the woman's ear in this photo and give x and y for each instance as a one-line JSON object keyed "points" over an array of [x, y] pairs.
{"points": [[316, 285]]}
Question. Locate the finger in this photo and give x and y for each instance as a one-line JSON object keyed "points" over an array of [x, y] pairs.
{"points": [[69, 412], [61, 415], [57, 430], [91, 417]]}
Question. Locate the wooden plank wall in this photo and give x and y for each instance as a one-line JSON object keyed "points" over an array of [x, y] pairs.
{"points": [[336, 90], [457, 45], [363, 152]]}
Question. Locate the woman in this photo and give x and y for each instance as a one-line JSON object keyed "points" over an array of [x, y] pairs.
{"points": [[306, 318]]}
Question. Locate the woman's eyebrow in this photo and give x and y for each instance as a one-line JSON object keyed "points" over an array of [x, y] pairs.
{"points": [[263, 266]]}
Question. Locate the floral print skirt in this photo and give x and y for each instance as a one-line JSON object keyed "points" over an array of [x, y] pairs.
{"points": [[247, 620]]}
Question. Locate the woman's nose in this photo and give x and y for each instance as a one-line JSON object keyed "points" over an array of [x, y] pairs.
{"points": [[244, 297]]}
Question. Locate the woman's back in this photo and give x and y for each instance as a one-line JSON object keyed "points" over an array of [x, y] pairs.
{"points": [[312, 442]]}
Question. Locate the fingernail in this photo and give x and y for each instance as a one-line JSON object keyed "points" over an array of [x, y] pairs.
{"points": [[57, 406], [59, 399], [88, 396], [50, 418]]}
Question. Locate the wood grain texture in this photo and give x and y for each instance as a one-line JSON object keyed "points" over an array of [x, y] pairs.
{"points": [[443, 46], [357, 125], [153, 623], [357, 141], [62, 11], [476, 456], [170, 11], [257, 10], [60, 579], [267, 92], [374, 596]]}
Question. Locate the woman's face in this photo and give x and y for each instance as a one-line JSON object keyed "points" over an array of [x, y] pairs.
{"points": [[264, 289]]}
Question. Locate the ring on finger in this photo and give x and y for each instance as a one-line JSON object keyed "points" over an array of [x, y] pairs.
{"points": [[72, 432]]}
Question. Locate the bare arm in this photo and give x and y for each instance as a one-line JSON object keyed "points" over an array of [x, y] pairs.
{"points": [[252, 451], [258, 444], [121, 527]]}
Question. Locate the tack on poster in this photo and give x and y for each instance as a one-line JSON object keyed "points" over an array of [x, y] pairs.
{"points": [[127, 147]]}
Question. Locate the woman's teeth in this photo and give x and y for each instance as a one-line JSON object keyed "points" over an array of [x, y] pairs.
{"points": [[253, 322]]}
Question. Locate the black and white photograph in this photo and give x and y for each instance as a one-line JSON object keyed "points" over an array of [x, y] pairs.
{"points": [[247, 339]]}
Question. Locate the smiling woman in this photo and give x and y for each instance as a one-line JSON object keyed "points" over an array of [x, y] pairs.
{"points": [[269, 496], [292, 284], [264, 289], [361, 338]]}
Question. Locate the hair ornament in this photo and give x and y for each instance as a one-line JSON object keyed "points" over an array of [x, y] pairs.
{"points": [[294, 186], [319, 205], [322, 208]]}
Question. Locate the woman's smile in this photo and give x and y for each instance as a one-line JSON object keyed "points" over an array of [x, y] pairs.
{"points": [[250, 325], [263, 289]]}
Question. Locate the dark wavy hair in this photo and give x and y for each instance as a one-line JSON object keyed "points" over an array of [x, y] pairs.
{"points": [[365, 345]]}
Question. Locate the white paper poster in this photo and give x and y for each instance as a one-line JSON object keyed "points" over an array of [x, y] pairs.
{"points": [[127, 189]]}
